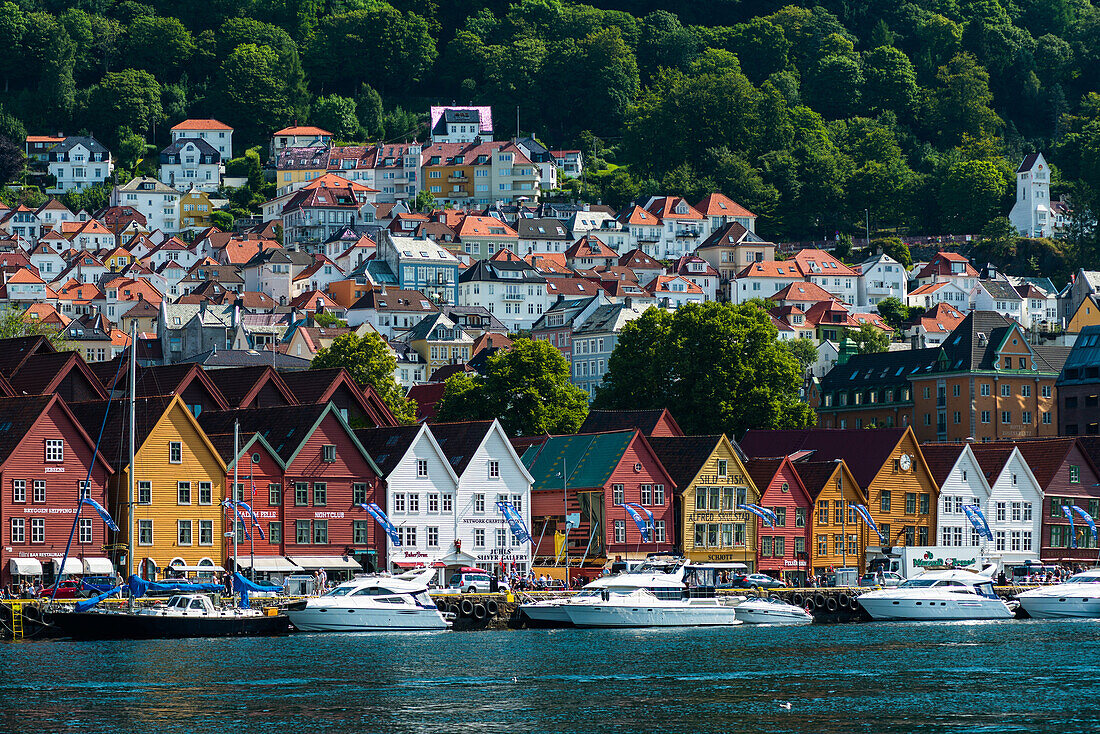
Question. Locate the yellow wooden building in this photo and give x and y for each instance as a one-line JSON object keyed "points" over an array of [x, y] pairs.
{"points": [[711, 481], [195, 209], [1087, 314], [838, 536], [179, 481]]}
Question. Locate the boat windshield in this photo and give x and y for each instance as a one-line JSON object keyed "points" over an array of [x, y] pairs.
{"points": [[918, 584], [586, 593], [340, 591], [1084, 578]]}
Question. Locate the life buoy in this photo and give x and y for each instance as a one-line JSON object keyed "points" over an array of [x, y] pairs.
{"points": [[480, 612], [492, 607], [831, 604], [467, 607], [797, 598]]}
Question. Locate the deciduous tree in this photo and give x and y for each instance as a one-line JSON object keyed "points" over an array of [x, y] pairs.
{"points": [[369, 361]]}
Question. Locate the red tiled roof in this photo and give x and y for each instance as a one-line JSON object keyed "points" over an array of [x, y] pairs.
{"points": [[201, 125], [720, 205], [302, 130]]}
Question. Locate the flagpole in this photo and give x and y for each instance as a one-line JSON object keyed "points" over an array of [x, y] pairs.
{"points": [[252, 535]]}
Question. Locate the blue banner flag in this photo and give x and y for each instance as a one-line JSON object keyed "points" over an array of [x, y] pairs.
{"points": [[977, 519], [1072, 533], [1089, 520], [515, 521], [377, 513], [763, 514], [642, 523], [866, 515], [255, 520], [102, 512]]}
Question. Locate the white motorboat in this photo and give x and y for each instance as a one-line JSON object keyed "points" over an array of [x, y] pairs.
{"points": [[643, 608], [664, 579], [939, 596], [1077, 596], [371, 603], [753, 610]]}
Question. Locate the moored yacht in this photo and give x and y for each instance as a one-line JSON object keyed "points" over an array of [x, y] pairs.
{"points": [[938, 596], [371, 603], [1077, 596], [643, 608], [663, 578], [754, 610]]}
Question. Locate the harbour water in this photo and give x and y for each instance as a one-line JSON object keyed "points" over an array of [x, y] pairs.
{"points": [[1014, 676]]}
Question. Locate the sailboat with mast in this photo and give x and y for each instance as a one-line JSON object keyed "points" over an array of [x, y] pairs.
{"points": [[187, 614]]}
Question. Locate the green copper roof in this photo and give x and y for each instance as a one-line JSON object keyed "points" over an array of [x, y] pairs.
{"points": [[589, 459]]}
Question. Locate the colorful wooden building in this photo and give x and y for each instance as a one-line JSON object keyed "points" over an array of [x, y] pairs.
{"points": [[328, 473], [886, 463], [782, 546], [837, 537], [179, 483], [45, 457], [711, 483], [589, 477], [1068, 477]]}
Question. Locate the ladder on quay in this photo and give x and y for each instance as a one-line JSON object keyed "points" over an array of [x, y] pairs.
{"points": [[16, 607]]}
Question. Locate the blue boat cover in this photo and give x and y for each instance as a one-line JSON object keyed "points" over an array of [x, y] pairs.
{"points": [[140, 587], [240, 583], [85, 605]]}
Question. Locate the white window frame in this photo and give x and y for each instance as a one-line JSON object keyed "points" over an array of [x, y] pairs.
{"points": [[180, 525], [142, 524], [55, 450], [179, 488], [175, 448]]}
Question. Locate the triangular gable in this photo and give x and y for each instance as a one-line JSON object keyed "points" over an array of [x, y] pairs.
{"points": [[786, 462], [248, 446], [330, 408], [644, 444], [51, 401], [174, 404], [918, 456], [1026, 468], [498, 430]]}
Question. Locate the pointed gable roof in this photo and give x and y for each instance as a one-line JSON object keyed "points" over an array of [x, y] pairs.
{"points": [[649, 422], [241, 385], [14, 352], [44, 373], [587, 459], [319, 386], [941, 458], [720, 205], [685, 456], [590, 246], [865, 452], [20, 414]]}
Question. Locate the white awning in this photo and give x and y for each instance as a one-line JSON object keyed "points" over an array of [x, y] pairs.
{"points": [[73, 566], [99, 567], [25, 567], [328, 563], [200, 569], [269, 564]]}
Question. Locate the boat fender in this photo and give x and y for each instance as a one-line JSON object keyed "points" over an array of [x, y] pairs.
{"points": [[466, 607], [480, 612], [819, 601], [831, 604], [492, 607], [441, 605], [844, 600], [797, 599], [810, 606], [853, 603], [452, 609]]}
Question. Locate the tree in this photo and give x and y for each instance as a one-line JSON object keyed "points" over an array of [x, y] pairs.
{"points": [[893, 311], [750, 379], [131, 148], [895, 248], [11, 161], [337, 115], [251, 94], [834, 86], [161, 46], [527, 388], [804, 350], [129, 98], [870, 338], [368, 105], [961, 104], [972, 193], [424, 201], [891, 82], [369, 361]]}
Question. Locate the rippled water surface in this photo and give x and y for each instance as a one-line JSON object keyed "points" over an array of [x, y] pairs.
{"points": [[980, 677]]}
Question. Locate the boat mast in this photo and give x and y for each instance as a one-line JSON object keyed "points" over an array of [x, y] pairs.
{"points": [[130, 474], [233, 497]]}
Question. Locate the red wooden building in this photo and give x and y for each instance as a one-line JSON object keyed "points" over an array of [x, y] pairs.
{"points": [[44, 459], [782, 549], [593, 475], [1067, 477], [328, 472]]}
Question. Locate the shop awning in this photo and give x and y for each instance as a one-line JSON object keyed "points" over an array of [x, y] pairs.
{"points": [[269, 564], [99, 567], [199, 569], [328, 563], [455, 558], [25, 567], [410, 564], [73, 566]]}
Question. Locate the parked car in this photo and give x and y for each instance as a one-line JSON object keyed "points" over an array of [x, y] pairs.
{"points": [[757, 581], [69, 589], [885, 579], [473, 581], [98, 584]]}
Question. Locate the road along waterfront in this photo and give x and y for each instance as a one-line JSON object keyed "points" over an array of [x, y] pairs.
{"points": [[1026, 676]]}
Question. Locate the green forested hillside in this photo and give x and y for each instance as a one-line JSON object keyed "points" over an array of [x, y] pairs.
{"points": [[809, 113]]}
